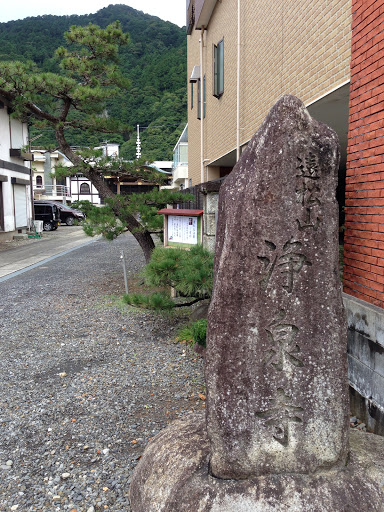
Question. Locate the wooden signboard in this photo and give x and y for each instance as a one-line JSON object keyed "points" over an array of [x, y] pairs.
{"points": [[182, 228]]}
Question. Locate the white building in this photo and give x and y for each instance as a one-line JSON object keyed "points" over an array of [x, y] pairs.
{"points": [[78, 187], [66, 190], [46, 186], [82, 188], [180, 163], [15, 175]]}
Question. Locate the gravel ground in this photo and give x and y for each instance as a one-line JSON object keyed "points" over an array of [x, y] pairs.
{"points": [[85, 382]]}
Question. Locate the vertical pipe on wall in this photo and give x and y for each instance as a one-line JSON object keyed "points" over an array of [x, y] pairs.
{"points": [[31, 178], [238, 85], [201, 41]]}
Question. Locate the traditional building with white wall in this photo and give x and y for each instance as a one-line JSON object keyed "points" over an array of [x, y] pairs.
{"points": [[15, 175]]}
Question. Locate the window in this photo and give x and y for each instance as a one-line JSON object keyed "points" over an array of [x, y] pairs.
{"points": [[84, 189], [218, 69], [191, 95], [39, 182]]}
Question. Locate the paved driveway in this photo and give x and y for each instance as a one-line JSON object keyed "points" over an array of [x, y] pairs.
{"points": [[18, 255]]}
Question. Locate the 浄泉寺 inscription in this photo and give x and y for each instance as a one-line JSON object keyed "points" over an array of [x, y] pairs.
{"points": [[277, 399], [280, 413], [283, 347], [288, 261]]}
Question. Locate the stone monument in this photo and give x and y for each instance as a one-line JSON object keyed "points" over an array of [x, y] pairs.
{"points": [[276, 432]]}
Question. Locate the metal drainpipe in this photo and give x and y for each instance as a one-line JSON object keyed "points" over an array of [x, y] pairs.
{"points": [[31, 179], [238, 85], [201, 107]]}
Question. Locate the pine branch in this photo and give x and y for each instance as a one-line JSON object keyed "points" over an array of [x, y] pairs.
{"points": [[185, 304]]}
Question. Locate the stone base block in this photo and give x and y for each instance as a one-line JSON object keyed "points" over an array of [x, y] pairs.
{"points": [[173, 476]]}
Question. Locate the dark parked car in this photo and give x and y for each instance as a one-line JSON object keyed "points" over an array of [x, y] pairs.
{"points": [[67, 215], [49, 214]]}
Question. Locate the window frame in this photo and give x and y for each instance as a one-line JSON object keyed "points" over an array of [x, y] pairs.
{"points": [[192, 95], [84, 185], [218, 69], [39, 181], [201, 97]]}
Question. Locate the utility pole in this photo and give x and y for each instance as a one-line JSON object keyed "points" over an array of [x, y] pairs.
{"points": [[138, 143]]}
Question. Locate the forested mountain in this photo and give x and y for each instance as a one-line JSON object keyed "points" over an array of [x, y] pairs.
{"points": [[155, 61]]}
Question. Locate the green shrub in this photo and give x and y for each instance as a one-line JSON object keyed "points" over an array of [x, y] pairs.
{"points": [[157, 301], [194, 333], [199, 331], [185, 334], [190, 273]]}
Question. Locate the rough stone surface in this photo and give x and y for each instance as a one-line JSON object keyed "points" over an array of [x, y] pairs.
{"points": [[276, 436], [276, 352], [210, 204], [173, 476], [210, 224], [200, 312]]}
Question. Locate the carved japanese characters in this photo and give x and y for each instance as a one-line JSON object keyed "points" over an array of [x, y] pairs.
{"points": [[276, 357], [276, 434]]}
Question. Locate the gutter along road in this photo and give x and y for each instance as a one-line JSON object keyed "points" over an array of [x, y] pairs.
{"points": [[15, 256]]}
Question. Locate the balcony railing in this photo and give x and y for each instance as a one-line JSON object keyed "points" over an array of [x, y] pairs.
{"points": [[52, 191]]}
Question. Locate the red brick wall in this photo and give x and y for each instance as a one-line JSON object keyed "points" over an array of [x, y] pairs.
{"points": [[364, 202]]}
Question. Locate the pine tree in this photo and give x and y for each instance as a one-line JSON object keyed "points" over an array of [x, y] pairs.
{"points": [[190, 273], [75, 99]]}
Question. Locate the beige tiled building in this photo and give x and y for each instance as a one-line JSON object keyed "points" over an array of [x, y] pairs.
{"points": [[330, 54], [269, 48]]}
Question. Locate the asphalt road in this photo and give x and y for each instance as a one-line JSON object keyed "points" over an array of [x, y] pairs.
{"points": [[17, 256]]}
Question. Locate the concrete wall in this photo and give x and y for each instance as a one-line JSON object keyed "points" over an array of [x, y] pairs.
{"points": [[366, 361]]}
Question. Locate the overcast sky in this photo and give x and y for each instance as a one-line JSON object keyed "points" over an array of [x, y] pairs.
{"points": [[169, 10]]}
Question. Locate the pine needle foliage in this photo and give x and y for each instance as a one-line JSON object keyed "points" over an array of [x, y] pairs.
{"points": [[154, 61], [76, 99], [144, 206], [158, 301], [190, 273]]}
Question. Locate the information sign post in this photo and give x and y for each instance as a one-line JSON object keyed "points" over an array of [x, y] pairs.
{"points": [[182, 228]]}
